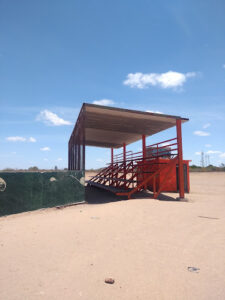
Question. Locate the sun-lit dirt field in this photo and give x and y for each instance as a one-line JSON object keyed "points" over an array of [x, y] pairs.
{"points": [[153, 249]]}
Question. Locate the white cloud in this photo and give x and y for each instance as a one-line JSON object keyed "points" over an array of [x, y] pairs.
{"points": [[213, 152], [16, 139], [222, 155], [51, 118], [165, 144], [100, 160], [201, 133], [20, 139], [105, 102], [45, 159], [224, 66], [154, 111], [32, 140], [166, 80], [59, 159], [198, 153], [45, 149], [206, 125], [208, 145]]}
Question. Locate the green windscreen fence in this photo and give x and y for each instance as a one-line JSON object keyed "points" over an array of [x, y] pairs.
{"points": [[27, 191]]}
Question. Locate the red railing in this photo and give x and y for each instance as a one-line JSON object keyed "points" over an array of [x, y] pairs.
{"points": [[152, 151]]}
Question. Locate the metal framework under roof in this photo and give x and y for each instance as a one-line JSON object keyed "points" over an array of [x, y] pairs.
{"points": [[111, 127]]}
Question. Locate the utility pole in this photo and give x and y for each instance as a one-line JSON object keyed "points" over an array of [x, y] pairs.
{"points": [[202, 160]]}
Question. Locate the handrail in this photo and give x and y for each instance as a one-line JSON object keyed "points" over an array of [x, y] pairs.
{"points": [[157, 150], [163, 142]]}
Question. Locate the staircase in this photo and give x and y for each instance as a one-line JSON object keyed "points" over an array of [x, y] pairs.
{"points": [[125, 178]]}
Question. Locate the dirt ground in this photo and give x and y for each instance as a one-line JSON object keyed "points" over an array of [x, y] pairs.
{"points": [[153, 249]]}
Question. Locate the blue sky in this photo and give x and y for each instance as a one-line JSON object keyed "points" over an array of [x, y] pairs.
{"points": [[166, 56]]}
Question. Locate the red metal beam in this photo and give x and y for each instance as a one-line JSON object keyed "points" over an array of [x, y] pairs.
{"points": [[180, 158]]}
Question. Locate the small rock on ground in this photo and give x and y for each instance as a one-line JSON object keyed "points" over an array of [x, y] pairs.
{"points": [[109, 280]]}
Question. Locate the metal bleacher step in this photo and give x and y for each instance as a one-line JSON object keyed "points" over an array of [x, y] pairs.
{"points": [[115, 179], [109, 188]]}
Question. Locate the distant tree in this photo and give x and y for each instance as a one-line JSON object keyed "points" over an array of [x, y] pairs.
{"points": [[56, 168], [8, 170], [33, 169], [222, 167], [194, 166]]}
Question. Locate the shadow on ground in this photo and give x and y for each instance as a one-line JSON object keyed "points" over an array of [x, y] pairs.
{"points": [[95, 195]]}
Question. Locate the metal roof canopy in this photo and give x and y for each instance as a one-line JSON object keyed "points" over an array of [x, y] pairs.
{"points": [[111, 127]]}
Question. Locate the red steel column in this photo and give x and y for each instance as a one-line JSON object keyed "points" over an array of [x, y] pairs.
{"points": [[83, 167], [124, 151], [83, 141], [112, 168], [180, 158], [144, 156], [124, 160], [112, 156], [72, 153], [79, 150], [144, 146], [68, 156], [76, 154]]}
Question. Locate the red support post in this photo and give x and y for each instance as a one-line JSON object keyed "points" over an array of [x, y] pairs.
{"points": [[112, 168], [144, 156], [180, 158], [76, 151], [144, 146], [112, 156], [124, 161], [83, 142], [79, 166], [72, 154], [124, 152], [69, 156], [154, 185], [75, 154]]}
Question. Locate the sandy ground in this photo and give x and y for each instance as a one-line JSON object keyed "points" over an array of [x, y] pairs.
{"points": [[146, 245]]}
